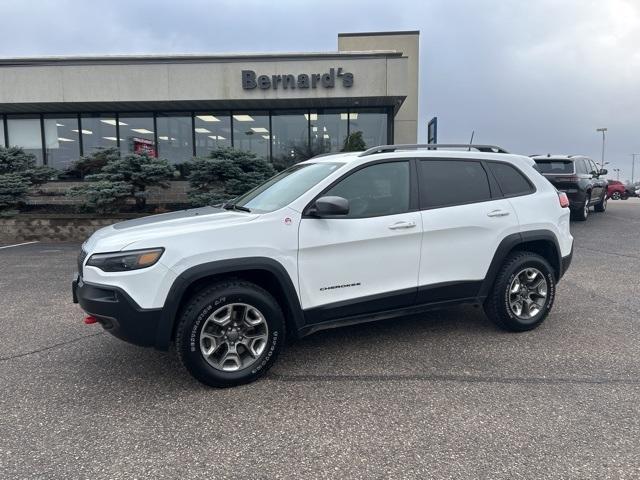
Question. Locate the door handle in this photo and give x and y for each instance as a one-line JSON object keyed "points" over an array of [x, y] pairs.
{"points": [[401, 225], [497, 213]]}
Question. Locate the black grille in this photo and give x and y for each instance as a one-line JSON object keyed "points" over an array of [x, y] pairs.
{"points": [[81, 256]]}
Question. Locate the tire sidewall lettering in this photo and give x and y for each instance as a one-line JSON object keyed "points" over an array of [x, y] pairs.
{"points": [[268, 355], [194, 341]]}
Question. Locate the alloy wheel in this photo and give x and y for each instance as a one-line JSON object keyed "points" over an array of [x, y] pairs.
{"points": [[234, 337], [528, 293]]}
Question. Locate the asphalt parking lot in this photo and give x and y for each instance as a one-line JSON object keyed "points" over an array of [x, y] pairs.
{"points": [[442, 395]]}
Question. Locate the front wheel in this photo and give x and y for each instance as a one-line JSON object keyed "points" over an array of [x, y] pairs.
{"points": [[522, 294], [602, 205], [230, 333], [616, 196]]}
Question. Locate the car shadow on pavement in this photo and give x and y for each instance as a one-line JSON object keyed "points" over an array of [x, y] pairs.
{"points": [[113, 362]]}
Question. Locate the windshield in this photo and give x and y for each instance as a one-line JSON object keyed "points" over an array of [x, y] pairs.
{"points": [[555, 166], [285, 187]]}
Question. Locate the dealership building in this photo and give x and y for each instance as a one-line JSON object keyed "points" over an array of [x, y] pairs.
{"points": [[283, 107]]}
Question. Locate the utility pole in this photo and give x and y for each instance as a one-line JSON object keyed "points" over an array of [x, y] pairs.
{"points": [[633, 166], [603, 130], [617, 170]]}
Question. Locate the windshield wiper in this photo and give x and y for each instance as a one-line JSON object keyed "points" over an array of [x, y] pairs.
{"points": [[233, 206]]}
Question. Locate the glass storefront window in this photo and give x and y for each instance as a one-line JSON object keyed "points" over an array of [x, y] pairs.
{"points": [[290, 138], [372, 123], [175, 142], [25, 132], [251, 133], [295, 135], [213, 130], [328, 130], [98, 131], [61, 140], [137, 134]]}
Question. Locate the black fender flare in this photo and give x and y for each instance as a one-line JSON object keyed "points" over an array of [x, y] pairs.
{"points": [[508, 244], [229, 266]]}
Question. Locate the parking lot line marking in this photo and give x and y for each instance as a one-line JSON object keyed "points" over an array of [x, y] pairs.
{"points": [[18, 244]]}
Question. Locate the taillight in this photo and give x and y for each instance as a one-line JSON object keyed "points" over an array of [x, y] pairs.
{"points": [[564, 200]]}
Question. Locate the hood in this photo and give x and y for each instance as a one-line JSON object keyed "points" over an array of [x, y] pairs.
{"points": [[157, 227]]}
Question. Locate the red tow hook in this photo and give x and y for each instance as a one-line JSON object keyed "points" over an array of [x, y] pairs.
{"points": [[90, 320]]}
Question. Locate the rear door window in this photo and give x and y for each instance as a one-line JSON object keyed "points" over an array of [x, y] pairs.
{"points": [[555, 167], [512, 182], [445, 183]]}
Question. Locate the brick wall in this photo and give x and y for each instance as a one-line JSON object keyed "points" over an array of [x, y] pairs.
{"points": [[52, 228]]}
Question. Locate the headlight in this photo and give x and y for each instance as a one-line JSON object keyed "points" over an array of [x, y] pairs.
{"points": [[125, 261]]}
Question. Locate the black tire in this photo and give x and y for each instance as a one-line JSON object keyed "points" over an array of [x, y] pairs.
{"points": [[616, 196], [497, 305], [201, 307], [601, 206], [581, 214]]}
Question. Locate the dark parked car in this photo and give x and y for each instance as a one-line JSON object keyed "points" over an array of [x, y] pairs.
{"points": [[579, 178], [617, 190]]}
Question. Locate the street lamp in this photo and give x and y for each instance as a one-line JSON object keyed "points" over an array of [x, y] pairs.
{"points": [[603, 130], [633, 166]]}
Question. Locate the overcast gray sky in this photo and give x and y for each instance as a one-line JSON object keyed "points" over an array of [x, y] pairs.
{"points": [[534, 76]]}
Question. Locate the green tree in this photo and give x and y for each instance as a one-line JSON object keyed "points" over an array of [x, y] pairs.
{"points": [[225, 174], [139, 172], [121, 179], [13, 191], [354, 143], [102, 196], [16, 160], [93, 163], [18, 173]]}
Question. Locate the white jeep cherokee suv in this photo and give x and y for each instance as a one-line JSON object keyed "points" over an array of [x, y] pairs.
{"points": [[338, 239]]}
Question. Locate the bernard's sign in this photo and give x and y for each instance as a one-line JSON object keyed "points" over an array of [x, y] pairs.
{"points": [[303, 80]]}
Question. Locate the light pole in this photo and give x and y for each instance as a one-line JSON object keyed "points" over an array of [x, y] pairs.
{"points": [[633, 166], [603, 130]]}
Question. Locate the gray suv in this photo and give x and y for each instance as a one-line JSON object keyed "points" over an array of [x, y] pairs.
{"points": [[580, 178]]}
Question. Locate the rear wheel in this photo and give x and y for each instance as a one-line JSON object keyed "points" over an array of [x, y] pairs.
{"points": [[522, 294], [602, 205], [581, 213], [616, 196], [230, 333]]}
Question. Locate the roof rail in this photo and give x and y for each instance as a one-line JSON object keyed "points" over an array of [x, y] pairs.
{"points": [[432, 146]]}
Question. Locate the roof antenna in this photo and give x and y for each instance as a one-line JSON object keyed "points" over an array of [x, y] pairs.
{"points": [[473, 132]]}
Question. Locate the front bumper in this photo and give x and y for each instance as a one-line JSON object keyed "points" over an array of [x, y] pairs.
{"points": [[117, 312]]}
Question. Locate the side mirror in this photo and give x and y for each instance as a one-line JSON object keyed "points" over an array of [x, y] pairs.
{"points": [[331, 206], [603, 171]]}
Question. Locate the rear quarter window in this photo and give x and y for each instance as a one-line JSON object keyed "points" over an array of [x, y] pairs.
{"points": [[512, 182], [445, 183]]}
